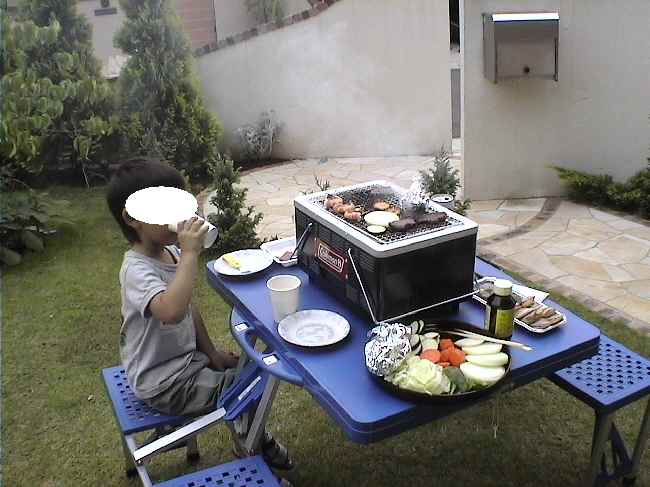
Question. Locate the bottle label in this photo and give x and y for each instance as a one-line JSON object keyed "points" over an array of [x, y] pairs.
{"points": [[504, 323]]}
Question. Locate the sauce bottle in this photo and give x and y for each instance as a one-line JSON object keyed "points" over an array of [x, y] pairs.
{"points": [[500, 310]]}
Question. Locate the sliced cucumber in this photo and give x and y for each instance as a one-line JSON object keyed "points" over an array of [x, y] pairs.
{"points": [[468, 342], [493, 360], [482, 375], [483, 349]]}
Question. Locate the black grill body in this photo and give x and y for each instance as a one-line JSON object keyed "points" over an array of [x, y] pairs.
{"points": [[433, 271]]}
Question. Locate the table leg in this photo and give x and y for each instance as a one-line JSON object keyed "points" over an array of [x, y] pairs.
{"points": [[602, 428], [639, 448], [261, 415]]}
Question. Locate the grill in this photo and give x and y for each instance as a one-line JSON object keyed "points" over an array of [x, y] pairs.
{"points": [[387, 275], [363, 198]]}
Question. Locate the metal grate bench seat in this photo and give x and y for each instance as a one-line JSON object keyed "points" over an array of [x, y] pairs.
{"points": [[171, 432], [248, 472], [608, 381]]}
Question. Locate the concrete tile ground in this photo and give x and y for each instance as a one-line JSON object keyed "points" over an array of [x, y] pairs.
{"points": [[601, 255]]}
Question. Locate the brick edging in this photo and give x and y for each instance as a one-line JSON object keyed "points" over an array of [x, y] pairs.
{"points": [[317, 6]]}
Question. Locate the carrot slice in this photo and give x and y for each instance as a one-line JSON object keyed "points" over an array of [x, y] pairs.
{"points": [[446, 343], [444, 355], [456, 357], [431, 354]]}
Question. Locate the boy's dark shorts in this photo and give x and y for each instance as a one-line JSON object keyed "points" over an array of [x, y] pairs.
{"points": [[195, 391]]}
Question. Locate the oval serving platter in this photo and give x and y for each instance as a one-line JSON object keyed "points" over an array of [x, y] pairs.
{"points": [[418, 397]]}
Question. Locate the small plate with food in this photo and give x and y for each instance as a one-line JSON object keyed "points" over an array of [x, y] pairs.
{"points": [[441, 367], [243, 262], [281, 250], [530, 314]]}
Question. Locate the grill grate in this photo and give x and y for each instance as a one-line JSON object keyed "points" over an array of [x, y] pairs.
{"points": [[361, 197]]}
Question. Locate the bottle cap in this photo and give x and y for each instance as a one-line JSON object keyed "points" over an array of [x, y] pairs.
{"points": [[502, 287]]}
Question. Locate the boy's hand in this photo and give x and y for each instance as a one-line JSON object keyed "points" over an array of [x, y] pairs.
{"points": [[222, 360], [191, 234]]}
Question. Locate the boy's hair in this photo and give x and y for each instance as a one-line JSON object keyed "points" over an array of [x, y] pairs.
{"points": [[133, 175]]}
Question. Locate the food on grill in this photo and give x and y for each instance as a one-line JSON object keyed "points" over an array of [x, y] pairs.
{"points": [[436, 217], [381, 218], [381, 205], [354, 216], [403, 225], [376, 229], [332, 201], [344, 208]]}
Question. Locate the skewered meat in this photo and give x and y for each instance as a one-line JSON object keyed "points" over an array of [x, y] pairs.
{"points": [[342, 209], [381, 206], [354, 216], [436, 217], [403, 225], [546, 322], [333, 201]]}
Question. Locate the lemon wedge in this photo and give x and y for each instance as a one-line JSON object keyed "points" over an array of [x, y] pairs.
{"points": [[232, 261]]}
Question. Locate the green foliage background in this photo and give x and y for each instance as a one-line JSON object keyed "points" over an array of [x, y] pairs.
{"points": [[160, 104]]}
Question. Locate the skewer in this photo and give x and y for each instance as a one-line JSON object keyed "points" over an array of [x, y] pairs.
{"points": [[469, 334]]}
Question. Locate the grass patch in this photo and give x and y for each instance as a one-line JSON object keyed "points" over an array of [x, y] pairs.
{"points": [[60, 328]]}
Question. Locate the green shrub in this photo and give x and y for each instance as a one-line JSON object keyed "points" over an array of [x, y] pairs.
{"points": [[257, 140], [26, 217], [585, 187], [236, 221], [160, 104], [76, 135], [441, 178], [632, 196]]}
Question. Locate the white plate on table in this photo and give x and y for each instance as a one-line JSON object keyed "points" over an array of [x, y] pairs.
{"points": [[278, 247], [314, 328], [252, 261]]}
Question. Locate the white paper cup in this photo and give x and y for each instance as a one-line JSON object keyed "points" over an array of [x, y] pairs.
{"points": [[285, 295], [210, 237]]}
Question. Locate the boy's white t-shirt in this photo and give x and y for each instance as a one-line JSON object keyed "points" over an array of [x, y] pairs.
{"points": [[153, 354]]}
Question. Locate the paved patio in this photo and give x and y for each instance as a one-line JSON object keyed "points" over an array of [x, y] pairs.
{"points": [[601, 258]]}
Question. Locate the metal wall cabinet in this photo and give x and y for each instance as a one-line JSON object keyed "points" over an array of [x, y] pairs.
{"points": [[520, 45]]}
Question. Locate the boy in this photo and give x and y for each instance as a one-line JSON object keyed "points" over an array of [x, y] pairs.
{"points": [[170, 361]]}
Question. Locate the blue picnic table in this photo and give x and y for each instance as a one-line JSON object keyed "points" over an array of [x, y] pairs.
{"points": [[337, 377]]}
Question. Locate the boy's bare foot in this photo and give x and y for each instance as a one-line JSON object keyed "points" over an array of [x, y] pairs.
{"points": [[223, 360]]}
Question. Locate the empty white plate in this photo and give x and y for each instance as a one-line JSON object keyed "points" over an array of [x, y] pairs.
{"points": [[252, 261], [314, 328]]}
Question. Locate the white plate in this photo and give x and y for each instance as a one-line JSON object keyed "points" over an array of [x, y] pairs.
{"points": [[380, 218], [278, 247], [252, 261], [314, 328]]}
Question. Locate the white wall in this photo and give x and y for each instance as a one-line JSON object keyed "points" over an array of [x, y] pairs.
{"points": [[363, 78], [232, 17], [594, 119], [104, 27]]}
